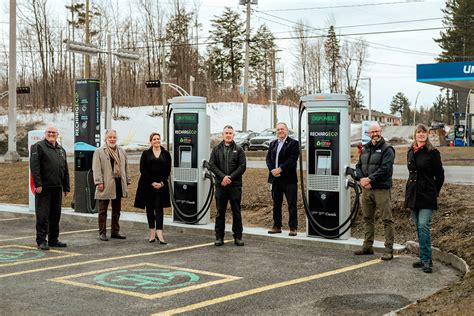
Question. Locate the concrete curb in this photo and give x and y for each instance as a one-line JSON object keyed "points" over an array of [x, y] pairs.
{"points": [[138, 220], [456, 262], [444, 257]]}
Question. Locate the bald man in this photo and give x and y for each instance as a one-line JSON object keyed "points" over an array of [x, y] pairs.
{"points": [[374, 170], [50, 175]]}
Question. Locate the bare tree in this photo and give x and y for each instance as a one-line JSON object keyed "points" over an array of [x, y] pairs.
{"points": [[302, 45]]}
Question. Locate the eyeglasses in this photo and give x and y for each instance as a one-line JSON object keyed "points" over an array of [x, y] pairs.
{"points": [[374, 132], [49, 132]]}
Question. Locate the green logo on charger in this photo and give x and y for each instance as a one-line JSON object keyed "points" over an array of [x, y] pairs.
{"points": [[323, 118], [147, 279]]}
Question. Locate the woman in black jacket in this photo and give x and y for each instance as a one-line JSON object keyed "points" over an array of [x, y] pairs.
{"points": [[152, 190], [425, 179]]}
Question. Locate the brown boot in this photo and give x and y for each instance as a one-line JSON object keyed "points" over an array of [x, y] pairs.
{"points": [[364, 251], [293, 232], [275, 230], [387, 256]]}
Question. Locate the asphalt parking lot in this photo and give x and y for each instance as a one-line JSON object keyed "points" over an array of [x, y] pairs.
{"points": [[192, 276]]}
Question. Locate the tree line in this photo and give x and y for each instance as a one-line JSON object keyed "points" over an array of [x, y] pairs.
{"points": [[173, 47]]}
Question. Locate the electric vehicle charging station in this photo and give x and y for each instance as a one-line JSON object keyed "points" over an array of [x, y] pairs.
{"points": [[191, 188], [327, 196], [86, 141]]}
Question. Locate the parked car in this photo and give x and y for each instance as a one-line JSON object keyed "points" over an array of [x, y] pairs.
{"points": [[262, 140], [243, 138]]}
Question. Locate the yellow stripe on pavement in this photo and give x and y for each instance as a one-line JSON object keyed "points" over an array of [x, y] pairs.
{"points": [[75, 264], [10, 219], [269, 287], [64, 233]]}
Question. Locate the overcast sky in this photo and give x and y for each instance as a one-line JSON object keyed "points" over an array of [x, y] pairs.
{"points": [[393, 56]]}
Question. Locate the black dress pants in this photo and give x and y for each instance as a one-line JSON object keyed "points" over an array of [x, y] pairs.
{"points": [[280, 188], [48, 214], [232, 195], [154, 212]]}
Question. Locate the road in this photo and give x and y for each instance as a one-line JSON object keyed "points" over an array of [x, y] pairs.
{"points": [[453, 174]]}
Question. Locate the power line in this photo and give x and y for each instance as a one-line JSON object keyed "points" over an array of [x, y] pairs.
{"points": [[344, 6]]}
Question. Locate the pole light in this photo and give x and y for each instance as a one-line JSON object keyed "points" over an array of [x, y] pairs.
{"points": [[370, 96], [92, 50], [414, 111]]}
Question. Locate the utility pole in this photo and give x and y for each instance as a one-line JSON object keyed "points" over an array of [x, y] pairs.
{"points": [[12, 154], [274, 91], [247, 61], [108, 108], [163, 91], [87, 61]]}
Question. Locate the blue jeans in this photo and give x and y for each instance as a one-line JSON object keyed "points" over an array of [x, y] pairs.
{"points": [[422, 220]]}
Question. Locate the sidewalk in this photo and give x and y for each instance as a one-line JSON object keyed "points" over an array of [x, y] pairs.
{"points": [[254, 233]]}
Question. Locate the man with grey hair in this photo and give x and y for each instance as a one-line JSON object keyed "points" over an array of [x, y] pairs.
{"points": [[111, 178], [50, 175], [281, 161], [374, 170]]}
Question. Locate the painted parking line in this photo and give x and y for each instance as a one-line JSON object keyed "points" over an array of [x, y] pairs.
{"points": [[145, 280], [269, 287], [12, 255], [63, 233], [10, 219], [75, 264]]}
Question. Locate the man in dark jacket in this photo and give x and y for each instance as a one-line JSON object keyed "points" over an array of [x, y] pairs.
{"points": [[50, 175], [281, 161], [374, 170], [228, 163]]}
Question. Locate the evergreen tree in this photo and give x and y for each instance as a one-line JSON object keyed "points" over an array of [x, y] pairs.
{"points": [[262, 52], [183, 58], [227, 33], [439, 107], [332, 52], [401, 105], [457, 41]]}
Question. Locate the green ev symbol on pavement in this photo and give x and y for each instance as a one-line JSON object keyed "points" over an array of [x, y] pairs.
{"points": [[15, 255], [147, 279]]}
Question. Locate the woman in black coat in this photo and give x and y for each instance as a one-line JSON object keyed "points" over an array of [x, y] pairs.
{"points": [[425, 179], [153, 190]]}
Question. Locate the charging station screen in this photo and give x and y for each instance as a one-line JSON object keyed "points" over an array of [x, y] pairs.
{"points": [[185, 157], [323, 162]]}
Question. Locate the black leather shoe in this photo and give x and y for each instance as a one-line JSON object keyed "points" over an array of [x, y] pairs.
{"points": [[118, 236], [238, 242], [43, 246], [161, 242], [364, 251], [219, 242], [58, 244], [103, 237]]}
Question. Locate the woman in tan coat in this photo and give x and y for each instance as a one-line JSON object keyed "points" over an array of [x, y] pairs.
{"points": [[111, 178]]}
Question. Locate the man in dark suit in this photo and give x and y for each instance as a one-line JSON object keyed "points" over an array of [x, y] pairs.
{"points": [[281, 160]]}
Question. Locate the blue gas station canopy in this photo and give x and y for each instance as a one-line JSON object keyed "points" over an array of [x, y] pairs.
{"points": [[456, 75]]}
